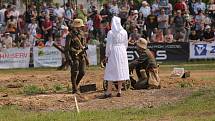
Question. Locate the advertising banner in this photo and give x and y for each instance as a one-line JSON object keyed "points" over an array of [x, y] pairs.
{"points": [[47, 57], [164, 51], [14, 58], [202, 50]]}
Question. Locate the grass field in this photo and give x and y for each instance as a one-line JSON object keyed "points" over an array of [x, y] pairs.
{"points": [[198, 107]]}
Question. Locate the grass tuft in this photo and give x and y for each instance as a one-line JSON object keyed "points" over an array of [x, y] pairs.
{"points": [[33, 89]]}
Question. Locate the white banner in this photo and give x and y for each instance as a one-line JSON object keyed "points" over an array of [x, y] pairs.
{"points": [[14, 58], [92, 54], [47, 57], [202, 50]]}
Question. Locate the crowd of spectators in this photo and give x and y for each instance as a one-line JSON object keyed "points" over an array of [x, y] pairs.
{"points": [[160, 21]]}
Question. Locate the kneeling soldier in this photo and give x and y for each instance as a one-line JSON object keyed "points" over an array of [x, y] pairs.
{"points": [[145, 61]]}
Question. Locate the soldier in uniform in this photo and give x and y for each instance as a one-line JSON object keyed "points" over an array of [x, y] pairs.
{"points": [[147, 62], [75, 53]]}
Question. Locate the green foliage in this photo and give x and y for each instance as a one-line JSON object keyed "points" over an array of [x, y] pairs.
{"points": [[57, 87], [33, 89]]}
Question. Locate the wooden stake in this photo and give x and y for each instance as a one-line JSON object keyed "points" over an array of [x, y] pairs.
{"points": [[76, 104]]}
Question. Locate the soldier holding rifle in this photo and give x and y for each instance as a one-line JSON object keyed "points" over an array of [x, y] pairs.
{"points": [[75, 52]]}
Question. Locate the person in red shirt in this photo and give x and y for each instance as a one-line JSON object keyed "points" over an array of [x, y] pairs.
{"points": [[97, 25], [47, 28], [179, 6]]}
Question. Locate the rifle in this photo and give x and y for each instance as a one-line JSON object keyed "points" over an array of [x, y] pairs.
{"points": [[57, 47]]}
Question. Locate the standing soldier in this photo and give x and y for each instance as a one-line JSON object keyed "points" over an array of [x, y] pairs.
{"points": [[75, 53]]}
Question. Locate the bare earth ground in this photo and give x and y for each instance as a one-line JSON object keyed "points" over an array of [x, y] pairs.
{"points": [[171, 92]]}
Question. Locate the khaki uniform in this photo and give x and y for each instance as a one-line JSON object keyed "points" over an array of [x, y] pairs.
{"points": [[146, 61], [74, 53]]}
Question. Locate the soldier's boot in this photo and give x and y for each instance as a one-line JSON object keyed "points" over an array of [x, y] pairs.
{"points": [[80, 76], [74, 76]]}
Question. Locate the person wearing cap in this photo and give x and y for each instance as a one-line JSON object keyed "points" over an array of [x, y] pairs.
{"points": [[116, 57], [145, 61], [74, 53], [208, 35]]}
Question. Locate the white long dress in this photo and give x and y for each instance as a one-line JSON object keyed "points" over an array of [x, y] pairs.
{"points": [[117, 43]]}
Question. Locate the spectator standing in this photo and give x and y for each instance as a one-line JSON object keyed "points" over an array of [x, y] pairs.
{"points": [[116, 57], [105, 13], [97, 26], [114, 9], [200, 21], [156, 7], [63, 35], [124, 12], [179, 22], [199, 5], [15, 13], [21, 24], [211, 9], [151, 24], [2, 14], [145, 9], [179, 6], [7, 13], [82, 13], [163, 21], [11, 27], [59, 11], [191, 5], [41, 19], [32, 31], [47, 28], [132, 6], [90, 7], [140, 23], [69, 14]]}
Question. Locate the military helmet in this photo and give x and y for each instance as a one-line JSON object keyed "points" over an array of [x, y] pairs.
{"points": [[142, 43], [78, 23]]}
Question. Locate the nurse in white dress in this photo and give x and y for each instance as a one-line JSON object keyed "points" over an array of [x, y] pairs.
{"points": [[116, 56]]}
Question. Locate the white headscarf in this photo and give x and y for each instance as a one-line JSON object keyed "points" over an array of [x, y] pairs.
{"points": [[116, 24]]}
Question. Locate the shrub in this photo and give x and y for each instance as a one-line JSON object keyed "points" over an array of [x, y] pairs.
{"points": [[57, 87], [33, 89]]}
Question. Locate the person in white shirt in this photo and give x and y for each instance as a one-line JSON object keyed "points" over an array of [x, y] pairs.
{"points": [[114, 8], [145, 9], [14, 12], [2, 16], [90, 24], [32, 31], [50, 42], [199, 5], [7, 40], [155, 7], [59, 12]]}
